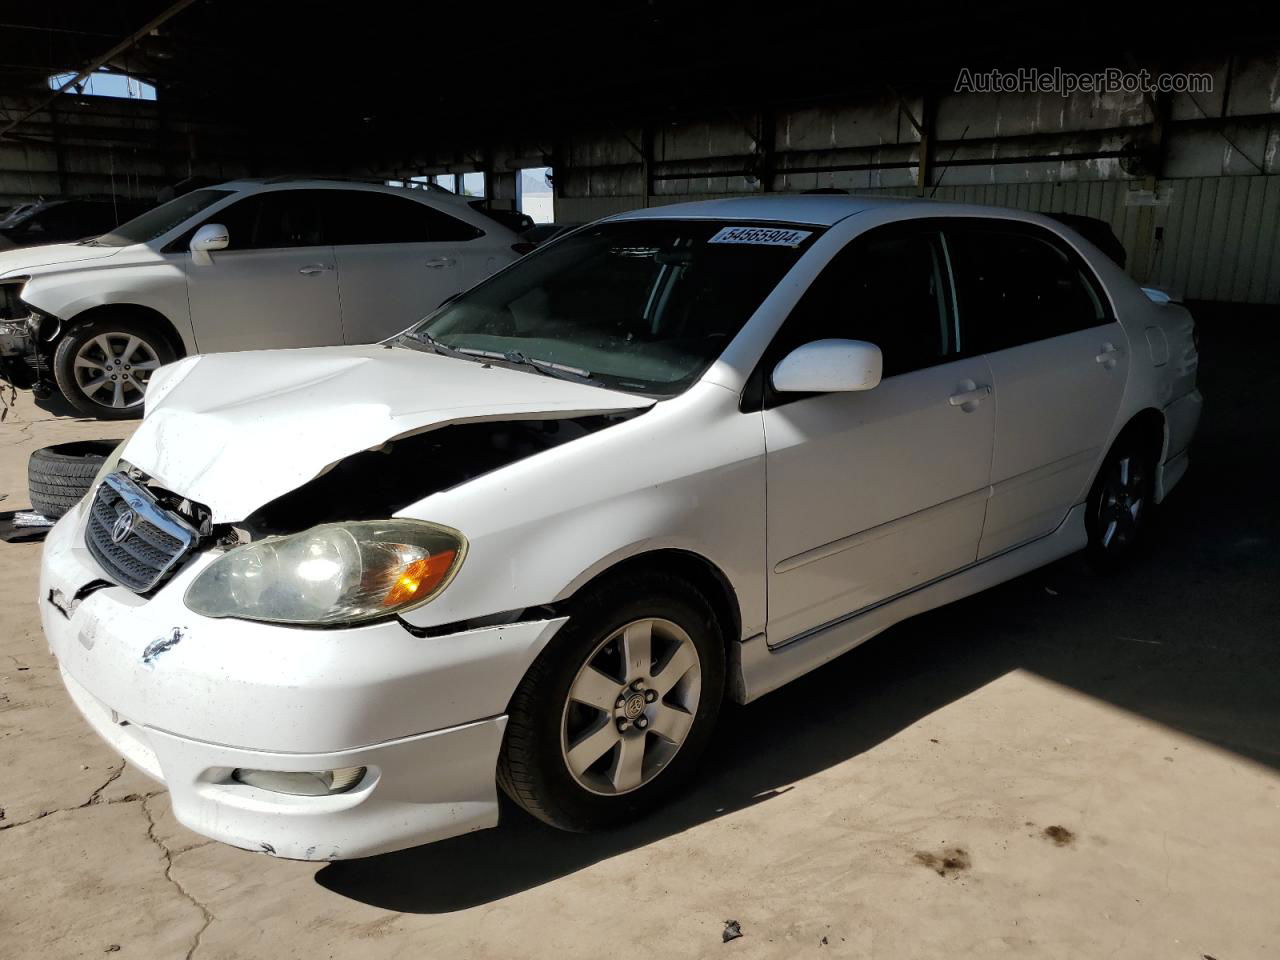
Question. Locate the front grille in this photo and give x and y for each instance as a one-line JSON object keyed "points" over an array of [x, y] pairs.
{"points": [[141, 551]]}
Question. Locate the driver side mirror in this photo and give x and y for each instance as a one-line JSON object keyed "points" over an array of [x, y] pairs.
{"points": [[210, 237], [829, 366]]}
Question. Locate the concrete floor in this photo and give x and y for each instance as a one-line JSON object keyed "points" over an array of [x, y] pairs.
{"points": [[1066, 766]]}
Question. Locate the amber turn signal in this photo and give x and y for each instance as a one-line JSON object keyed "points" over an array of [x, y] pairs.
{"points": [[420, 576]]}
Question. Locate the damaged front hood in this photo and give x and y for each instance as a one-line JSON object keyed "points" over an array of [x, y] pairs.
{"points": [[234, 431]]}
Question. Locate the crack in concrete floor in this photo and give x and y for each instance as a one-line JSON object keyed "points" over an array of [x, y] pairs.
{"points": [[169, 856], [94, 798], [143, 800]]}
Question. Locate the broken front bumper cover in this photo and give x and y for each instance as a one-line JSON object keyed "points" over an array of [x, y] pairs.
{"points": [[416, 790], [189, 699]]}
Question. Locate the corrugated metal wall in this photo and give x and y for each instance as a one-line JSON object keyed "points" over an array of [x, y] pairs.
{"points": [[1202, 218], [131, 149], [1209, 238]]}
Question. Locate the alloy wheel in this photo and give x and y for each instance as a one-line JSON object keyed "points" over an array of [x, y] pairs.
{"points": [[631, 706], [1124, 497], [112, 369]]}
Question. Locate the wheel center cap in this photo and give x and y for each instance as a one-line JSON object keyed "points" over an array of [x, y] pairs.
{"points": [[634, 706]]}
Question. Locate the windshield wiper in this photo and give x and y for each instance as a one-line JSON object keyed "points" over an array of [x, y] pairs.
{"points": [[421, 336], [561, 370]]}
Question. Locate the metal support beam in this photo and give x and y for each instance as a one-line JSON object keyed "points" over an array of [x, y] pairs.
{"points": [[745, 170], [768, 148], [59, 152], [93, 65], [646, 160], [1161, 108], [902, 105], [1143, 259], [924, 173]]}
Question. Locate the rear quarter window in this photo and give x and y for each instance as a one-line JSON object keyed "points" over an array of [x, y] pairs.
{"points": [[364, 217], [1018, 284]]}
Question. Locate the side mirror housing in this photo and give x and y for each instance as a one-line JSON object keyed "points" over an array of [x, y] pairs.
{"points": [[829, 366], [210, 237]]}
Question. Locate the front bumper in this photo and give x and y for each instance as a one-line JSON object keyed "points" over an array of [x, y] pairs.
{"points": [[188, 699]]}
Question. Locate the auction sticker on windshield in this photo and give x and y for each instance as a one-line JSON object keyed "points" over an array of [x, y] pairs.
{"points": [[766, 236]]}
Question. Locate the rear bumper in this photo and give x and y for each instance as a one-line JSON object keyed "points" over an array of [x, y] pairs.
{"points": [[189, 699], [1182, 418]]}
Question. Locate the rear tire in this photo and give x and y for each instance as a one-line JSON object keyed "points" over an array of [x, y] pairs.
{"points": [[613, 716], [102, 365], [59, 476], [1120, 505]]}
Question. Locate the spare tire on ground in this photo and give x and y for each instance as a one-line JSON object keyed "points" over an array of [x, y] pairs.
{"points": [[58, 476]]}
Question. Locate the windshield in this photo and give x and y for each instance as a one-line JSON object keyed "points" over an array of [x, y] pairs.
{"points": [[643, 305], [159, 221]]}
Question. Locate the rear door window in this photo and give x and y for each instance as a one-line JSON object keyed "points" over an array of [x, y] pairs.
{"points": [[1017, 285], [365, 217]]}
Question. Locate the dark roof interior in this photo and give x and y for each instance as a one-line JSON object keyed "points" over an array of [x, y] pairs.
{"points": [[389, 72]]}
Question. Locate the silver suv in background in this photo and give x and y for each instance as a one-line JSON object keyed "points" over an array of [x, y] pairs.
{"points": [[249, 264]]}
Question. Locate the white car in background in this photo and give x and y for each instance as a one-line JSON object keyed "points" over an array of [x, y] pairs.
{"points": [[334, 598], [245, 265]]}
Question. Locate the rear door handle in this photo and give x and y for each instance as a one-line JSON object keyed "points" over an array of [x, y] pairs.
{"points": [[314, 268], [437, 263], [1108, 356], [968, 399]]}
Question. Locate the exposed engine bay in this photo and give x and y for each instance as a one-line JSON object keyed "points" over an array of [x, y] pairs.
{"points": [[378, 483]]}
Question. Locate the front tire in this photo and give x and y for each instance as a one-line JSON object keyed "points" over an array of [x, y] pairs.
{"points": [[614, 714], [102, 366], [1120, 505]]}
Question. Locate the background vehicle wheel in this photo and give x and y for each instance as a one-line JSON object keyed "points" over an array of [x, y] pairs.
{"points": [[1120, 504], [58, 476], [612, 717], [102, 365]]}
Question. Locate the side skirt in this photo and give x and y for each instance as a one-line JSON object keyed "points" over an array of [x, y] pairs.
{"points": [[759, 669]]}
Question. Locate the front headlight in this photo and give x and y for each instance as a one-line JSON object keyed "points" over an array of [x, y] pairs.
{"points": [[331, 574]]}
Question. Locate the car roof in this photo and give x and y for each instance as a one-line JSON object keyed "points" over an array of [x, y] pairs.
{"points": [[334, 183], [822, 210]]}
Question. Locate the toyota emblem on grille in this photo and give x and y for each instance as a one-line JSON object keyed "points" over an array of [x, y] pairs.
{"points": [[123, 526]]}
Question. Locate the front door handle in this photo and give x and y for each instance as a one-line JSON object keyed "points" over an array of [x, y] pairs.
{"points": [[1108, 356], [969, 396], [313, 268], [437, 263]]}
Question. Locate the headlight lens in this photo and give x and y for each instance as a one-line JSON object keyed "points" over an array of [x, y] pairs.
{"points": [[334, 573]]}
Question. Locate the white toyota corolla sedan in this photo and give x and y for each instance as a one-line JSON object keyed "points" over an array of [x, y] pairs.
{"points": [[334, 598]]}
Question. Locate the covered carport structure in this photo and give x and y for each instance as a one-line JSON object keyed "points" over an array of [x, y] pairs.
{"points": [[635, 104], [1065, 766]]}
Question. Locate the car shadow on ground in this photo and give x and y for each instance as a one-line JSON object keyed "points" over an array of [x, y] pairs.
{"points": [[1186, 637], [56, 406]]}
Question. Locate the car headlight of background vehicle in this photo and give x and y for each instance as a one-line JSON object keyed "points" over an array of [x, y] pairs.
{"points": [[334, 573]]}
